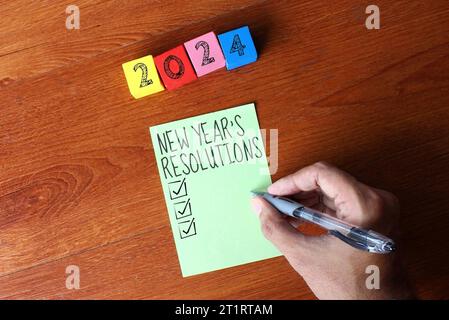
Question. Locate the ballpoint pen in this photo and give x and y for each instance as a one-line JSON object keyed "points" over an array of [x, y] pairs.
{"points": [[359, 238]]}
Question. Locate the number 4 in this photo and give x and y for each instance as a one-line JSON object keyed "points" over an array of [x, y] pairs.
{"points": [[237, 45]]}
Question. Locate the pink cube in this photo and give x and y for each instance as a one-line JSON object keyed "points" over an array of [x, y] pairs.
{"points": [[205, 54]]}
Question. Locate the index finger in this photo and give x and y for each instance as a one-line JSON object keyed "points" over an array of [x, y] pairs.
{"points": [[320, 176]]}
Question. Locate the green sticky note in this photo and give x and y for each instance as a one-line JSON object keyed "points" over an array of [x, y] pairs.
{"points": [[208, 166]]}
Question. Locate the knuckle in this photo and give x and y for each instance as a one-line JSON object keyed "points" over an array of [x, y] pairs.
{"points": [[322, 165], [391, 205], [391, 198], [375, 197], [268, 225], [376, 201], [383, 201], [325, 170], [384, 207]]}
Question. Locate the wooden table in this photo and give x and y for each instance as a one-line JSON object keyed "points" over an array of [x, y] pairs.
{"points": [[78, 180]]}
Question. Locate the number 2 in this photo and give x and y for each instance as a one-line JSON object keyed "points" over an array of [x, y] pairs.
{"points": [[144, 81], [237, 45], [206, 58]]}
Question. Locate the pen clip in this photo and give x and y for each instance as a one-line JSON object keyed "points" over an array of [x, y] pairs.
{"points": [[351, 242]]}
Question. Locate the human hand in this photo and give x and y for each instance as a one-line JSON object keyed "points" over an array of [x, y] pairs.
{"points": [[331, 268]]}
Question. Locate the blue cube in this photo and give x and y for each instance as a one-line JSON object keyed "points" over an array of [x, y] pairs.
{"points": [[238, 47]]}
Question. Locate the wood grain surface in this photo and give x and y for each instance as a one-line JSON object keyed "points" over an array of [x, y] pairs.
{"points": [[78, 179]]}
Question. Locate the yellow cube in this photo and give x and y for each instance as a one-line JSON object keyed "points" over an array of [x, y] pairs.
{"points": [[142, 77]]}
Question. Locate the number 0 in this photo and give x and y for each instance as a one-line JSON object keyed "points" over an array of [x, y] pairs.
{"points": [[168, 71]]}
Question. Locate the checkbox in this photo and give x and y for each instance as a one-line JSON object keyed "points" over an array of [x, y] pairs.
{"points": [[177, 189], [182, 209], [187, 228]]}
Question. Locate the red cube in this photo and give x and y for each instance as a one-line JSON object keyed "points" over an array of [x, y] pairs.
{"points": [[175, 68]]}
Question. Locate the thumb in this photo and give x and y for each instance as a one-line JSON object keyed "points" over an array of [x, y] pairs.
{"points": [[277, 229]]}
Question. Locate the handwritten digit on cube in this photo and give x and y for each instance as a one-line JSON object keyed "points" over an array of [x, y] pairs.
{"points": [[175, 68], [238, 47], [142, 77], [205, 54]]}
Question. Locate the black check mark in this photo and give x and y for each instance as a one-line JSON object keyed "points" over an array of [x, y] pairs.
{"points": [[190, 227], [177, 189], [185, 207], [180, 187], [182, 209], [185, 233]]}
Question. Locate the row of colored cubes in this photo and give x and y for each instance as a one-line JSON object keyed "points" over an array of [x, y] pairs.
{"points": [[185, 63]]}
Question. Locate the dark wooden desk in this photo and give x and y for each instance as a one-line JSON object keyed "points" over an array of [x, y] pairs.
{"points": [[78, 181]]}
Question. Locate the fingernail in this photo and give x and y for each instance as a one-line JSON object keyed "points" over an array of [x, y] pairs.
{"points": [[257, 208]]}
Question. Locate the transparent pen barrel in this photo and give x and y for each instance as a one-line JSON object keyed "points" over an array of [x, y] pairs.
{"points": [[323, 220], [360, 238]]}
